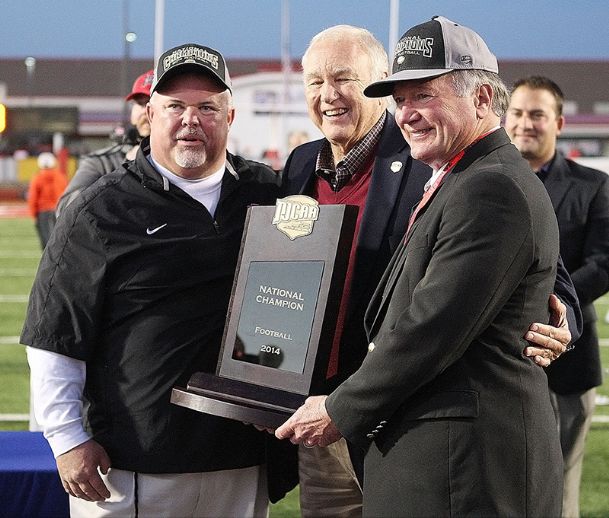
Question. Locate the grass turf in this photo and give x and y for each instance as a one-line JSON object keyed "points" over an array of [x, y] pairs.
{"points": [[19, 255]]}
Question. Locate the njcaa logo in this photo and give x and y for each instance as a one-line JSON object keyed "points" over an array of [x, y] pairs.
{"points": [[295, 215], [190, 54], [414, 45]]}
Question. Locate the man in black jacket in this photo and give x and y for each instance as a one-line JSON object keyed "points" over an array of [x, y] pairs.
{"points": [[130, 300], [580, 197]]}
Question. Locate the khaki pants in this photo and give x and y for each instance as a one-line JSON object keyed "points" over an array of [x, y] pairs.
{"points": [[238, 492], [328, 485], [574, 415]]}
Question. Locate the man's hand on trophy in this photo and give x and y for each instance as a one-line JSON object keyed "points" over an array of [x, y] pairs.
{"points": [[310, 425]]}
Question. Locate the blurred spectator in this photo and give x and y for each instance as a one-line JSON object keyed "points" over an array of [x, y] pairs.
{"points": [[580, 196], [271, 158], [45, 189], [106, 160], [574, 152], [297, 138]]}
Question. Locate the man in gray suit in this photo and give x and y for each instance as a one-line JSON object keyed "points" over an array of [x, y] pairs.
{"points": [[454, 419], [580, 197]]}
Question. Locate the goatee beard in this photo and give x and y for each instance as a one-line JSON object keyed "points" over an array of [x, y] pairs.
{"points": [[190, 158]]}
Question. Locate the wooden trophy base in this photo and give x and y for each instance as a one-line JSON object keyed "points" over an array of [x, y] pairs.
{"points": [[237, 400]]}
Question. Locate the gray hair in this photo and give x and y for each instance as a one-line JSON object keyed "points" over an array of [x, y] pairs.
{"points": [[229, 98], [466, 81], [364, 39]]}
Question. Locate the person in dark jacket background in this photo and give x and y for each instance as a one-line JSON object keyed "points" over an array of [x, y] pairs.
{"points": [[580, 197]]}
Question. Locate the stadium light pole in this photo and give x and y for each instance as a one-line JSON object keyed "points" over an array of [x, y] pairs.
{"points": [[286, 69], [30, 69], [129, 38], [159, 27], [394, 22]]}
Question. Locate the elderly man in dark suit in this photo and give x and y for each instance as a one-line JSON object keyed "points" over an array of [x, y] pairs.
{"points": [[456, 421], [580, 197], [364, 146]]}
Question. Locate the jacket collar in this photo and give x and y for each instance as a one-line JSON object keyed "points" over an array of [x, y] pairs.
{"points": [[483, 147], [558, 181], [392, 162], [152, 179]]}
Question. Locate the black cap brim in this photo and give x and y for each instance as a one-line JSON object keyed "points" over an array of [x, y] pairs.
{"points": [[384, 87], [184, 68]]}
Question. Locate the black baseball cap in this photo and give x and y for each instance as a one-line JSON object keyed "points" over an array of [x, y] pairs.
{"points": [[432, 49], [191, 57]]}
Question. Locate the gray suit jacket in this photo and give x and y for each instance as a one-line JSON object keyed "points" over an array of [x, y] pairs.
{"points": [[460, 422]]}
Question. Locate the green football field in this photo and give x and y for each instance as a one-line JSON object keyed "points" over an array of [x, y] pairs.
{"points": [[19, 256]]}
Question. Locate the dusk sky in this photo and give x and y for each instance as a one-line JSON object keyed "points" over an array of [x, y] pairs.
{"points": [[546, 29]]}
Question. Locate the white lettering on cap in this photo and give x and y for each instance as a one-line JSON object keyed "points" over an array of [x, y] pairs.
{"points": [[415, 45], [193, 54]]}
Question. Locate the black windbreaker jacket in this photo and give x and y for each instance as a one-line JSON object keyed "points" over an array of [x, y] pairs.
{"points": [[136, 282]]}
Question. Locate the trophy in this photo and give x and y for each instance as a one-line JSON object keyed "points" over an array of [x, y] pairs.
{"points": [[282, 314]]}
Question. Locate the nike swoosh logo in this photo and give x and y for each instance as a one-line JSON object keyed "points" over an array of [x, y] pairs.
{"points": [[150, 231]]}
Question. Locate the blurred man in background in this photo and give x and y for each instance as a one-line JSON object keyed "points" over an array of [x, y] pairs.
{"points": [[580, 196], [97, 164], [45, 189]]}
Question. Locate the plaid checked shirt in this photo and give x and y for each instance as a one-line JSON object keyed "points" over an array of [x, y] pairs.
{"points": [[352, 162]]}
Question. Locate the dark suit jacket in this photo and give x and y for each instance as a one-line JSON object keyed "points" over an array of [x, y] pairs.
{"points": [[391, 196], [461, 422], [580, 197]]}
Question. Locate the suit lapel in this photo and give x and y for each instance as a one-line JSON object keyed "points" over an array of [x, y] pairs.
{"points": [[301, 183], [448, 180], [382, 295], [558, 182], [391, 162], [383, 291], [481, 148]]}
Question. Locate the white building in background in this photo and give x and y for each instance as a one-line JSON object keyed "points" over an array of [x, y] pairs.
{"points": [[270, 107], [270, 111], [269, 114]]}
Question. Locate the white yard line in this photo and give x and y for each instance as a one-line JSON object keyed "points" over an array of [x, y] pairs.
{"points": [[12, 254], [14, 298], [17, 272], [14, 417], [9, 340]]}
